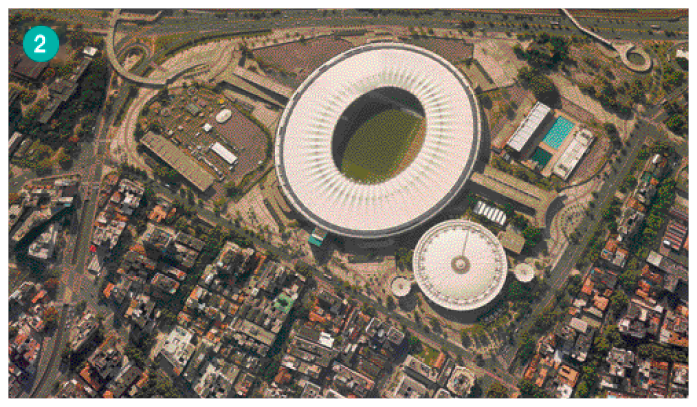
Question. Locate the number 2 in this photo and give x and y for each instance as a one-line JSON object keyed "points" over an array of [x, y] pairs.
{"points": [[38, 48]]}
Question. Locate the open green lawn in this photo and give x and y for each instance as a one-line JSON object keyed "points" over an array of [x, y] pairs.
{"points": [[428, 355], [377, 148]]}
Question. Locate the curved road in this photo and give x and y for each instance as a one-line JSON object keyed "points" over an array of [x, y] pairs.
{"points": [[159, 81]]}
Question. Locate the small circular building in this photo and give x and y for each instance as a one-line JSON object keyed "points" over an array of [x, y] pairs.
{"points": [[524, 272], [377, 140], [400, 287], [460, 265]]}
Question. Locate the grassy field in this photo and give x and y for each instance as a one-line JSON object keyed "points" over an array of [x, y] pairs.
{"points": [[428, 355], [377, 149]]}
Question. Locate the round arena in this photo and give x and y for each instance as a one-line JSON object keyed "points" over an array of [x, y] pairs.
{"points": [[460, 265], [377, 140]]}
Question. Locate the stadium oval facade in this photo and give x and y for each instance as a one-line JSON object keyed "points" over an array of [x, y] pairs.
{"points": [[460, 265], [316, 187]]}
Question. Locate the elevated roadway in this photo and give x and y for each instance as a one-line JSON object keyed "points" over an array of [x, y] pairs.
{"points": [[159, 81]]}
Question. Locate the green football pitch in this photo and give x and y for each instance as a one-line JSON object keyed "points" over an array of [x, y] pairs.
{"points": [[377, 149]]}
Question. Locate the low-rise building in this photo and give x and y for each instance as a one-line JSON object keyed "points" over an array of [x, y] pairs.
{"points": [[641, 320], [410, 388]]}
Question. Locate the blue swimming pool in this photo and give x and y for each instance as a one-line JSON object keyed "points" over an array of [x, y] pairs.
{"points": [[557, 134]]}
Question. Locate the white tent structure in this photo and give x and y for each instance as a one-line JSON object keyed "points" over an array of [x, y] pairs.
{"points": [[223, 116], [224, 153]]}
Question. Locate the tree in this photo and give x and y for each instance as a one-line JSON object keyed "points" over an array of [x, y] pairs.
{"points": [[271, 369], [530, 390], [168, 318], [527, 348], [51, 285], [415, 346], [161, 386], [12, 331], [50, 317], [403, 257], [369, 310], [618, 302], [136, 355], [390, 303], [44, 166], [497, 391], [64, 160], [80, 307], [533, 236], [541, 86], [233, 190]]}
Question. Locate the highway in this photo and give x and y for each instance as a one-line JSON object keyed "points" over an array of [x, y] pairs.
{"points": [[486, 20], [73, 284], [40, 389]]}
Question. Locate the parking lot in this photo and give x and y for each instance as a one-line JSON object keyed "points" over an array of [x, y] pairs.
{"points": [[184, 118]]}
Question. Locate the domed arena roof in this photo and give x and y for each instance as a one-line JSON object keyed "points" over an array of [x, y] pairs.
{"points": [[400, 287], [308, 173], [524, 272], [460, 265]]}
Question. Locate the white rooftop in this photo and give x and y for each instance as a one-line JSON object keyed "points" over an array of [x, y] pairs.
{"points": [[400, 286], [224, 153], [223, 116], [573, 153], [524, 272], [309, 176], [460, 265], [528, 126]]}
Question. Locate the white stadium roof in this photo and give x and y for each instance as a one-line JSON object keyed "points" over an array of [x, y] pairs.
{"points": [[309, 176], [460, 265]]}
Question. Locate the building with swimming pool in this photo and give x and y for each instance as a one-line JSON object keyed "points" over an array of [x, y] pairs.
{"points": [[549, 141]]}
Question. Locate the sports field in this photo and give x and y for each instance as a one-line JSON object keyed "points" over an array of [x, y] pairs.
{"points": [[382, 146]]}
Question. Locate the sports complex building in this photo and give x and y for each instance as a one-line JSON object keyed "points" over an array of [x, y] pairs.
{"points": [[460, 265], [378, 140]]}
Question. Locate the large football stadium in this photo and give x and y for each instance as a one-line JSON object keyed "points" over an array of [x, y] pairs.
{"points": [[377, 140]]}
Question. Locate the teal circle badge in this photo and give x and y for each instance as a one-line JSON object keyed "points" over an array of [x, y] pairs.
{"points": [[40, 43]]}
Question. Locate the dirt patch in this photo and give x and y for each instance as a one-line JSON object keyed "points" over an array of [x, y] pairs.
{"points": [[592, 162], [292, 63], [451, 49]]}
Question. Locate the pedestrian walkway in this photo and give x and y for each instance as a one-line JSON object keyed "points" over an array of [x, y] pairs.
{"points": [[623, 48]]}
